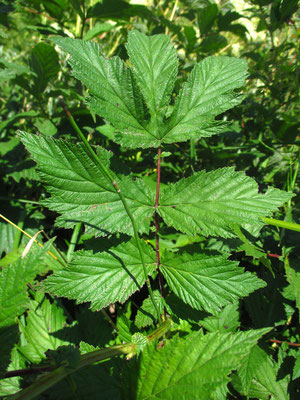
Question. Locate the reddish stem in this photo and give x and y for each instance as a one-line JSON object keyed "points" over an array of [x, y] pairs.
{"points": [[274, 255], [158, 177], [156, 220], [289, 343], [39, 12]]}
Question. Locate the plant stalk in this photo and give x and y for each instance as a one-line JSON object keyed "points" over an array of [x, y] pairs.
{"points": [[156, 221], [115, 185], [53, 376], [74, 240], [18, 234], [282, 224]]}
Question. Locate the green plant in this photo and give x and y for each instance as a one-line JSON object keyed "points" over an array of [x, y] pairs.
{"points": [[195, 287]]}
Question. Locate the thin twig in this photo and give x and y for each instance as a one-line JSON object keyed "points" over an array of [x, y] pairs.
{"points": [[40, 13], [156, 221], [281, 341], [74, 240]]}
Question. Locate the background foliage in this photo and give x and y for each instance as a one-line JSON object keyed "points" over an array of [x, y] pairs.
{"points": [[263, 141]]}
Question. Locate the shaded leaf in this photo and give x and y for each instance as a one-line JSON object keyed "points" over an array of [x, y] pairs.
{"points": [[9, 335], [118, 10], [91, 382], [296, 370], [13, 284], [265, 384], [11, 385], [206, 17], [147, 315], [44, 63], [226, 321], [249, 366], [103, 278], [43, 320]]}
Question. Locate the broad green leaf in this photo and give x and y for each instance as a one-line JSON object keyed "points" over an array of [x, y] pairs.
{"points": [[44, 63], [87, 348], [257, 390], [11, 257], [80, 192], [249, 366], [212, 44], [196, 367], [207, 282], [265, 379], [211, 203], [207, 93], [293, 277], [103, 278], [117, 97], [226, 321], [7, 234], [12, 385], [13, 284], [114, 93], [147, 315], [206, 17], [296, 370], [45, 328], [125, 325], [155, 69], [97, 29]]}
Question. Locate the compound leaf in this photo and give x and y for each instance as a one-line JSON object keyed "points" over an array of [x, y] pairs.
{"points": [[196, 367], [207, 93], [207, 282], [103, 278], [117, 97], [80, 192], [212, 203]]}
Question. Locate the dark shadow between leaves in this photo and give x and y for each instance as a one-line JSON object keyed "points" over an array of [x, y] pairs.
{"points": [[97, 228], [8, 338], [91, 328]]}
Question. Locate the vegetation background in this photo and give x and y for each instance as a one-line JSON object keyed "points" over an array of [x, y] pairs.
{"points": [[40, 95]]}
